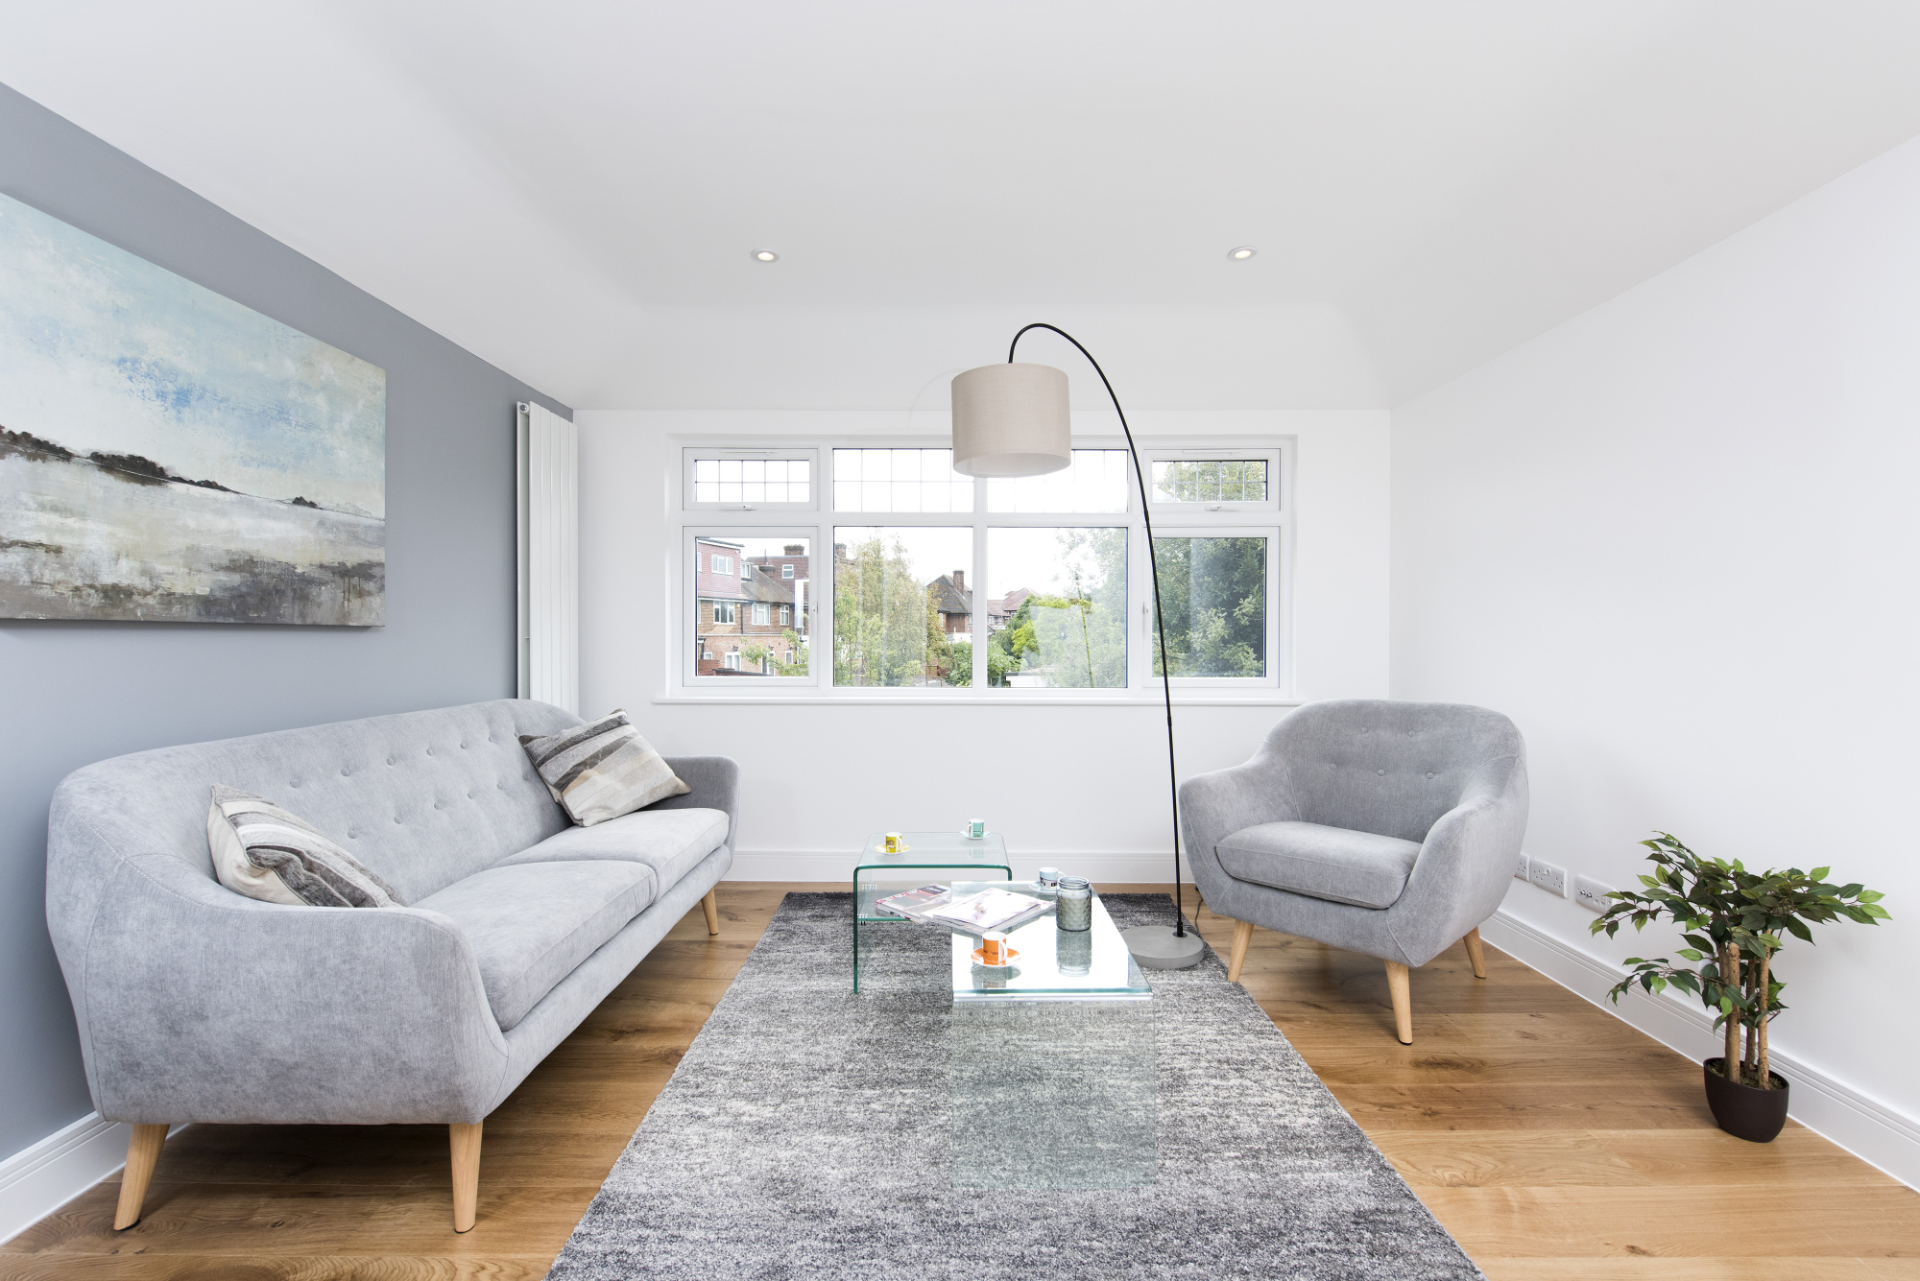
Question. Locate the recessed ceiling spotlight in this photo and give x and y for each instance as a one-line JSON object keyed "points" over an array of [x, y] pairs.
{"points": [[1243, 253], [766, 255]]}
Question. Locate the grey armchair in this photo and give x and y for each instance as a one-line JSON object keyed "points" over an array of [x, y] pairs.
{"points": [[1385, 828]]}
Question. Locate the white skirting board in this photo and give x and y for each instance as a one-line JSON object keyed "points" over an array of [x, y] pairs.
{"points": [[38, 1181], [1870, 1130]]}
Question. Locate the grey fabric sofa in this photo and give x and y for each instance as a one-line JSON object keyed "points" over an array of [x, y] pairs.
{"points": [[195, 1003], [1387, 828]]}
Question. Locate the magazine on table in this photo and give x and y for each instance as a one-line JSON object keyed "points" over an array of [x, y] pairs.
{"points": [[986, 910], [914, 904]]}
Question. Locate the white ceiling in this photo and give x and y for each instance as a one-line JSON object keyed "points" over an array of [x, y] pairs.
{"points": [[571, 189]]}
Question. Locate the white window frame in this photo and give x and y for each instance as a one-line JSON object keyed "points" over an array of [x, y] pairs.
{"points": [[733, 607], [762, 614], [720, 564], [1272, 519], [693, 453]]}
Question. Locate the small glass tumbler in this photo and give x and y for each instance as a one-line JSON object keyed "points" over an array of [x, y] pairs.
{"points": [[1075, 911]]}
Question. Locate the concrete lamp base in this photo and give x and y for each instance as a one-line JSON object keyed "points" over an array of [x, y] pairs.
{"points": [[1157, 947]]}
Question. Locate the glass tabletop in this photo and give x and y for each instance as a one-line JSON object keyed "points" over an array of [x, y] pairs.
{"points": [[934, 849], [1050, 964]]}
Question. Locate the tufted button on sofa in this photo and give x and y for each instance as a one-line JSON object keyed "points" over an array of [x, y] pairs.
{"points": [[195, 1003]]}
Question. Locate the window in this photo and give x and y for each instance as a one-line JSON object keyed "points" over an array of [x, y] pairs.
{"points": [[1214, 480], [745, 590], [899, 480], [1214, 591], [1057, 607], [898, 592], [934, 585], [749, 479], [1097, 481]]}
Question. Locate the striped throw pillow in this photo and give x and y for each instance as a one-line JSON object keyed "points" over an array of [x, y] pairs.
{"points": [[602, 769], [264, 852]]}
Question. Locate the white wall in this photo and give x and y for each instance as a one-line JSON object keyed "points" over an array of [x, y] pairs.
{"points": [[1082, 787], [1675, 539]]}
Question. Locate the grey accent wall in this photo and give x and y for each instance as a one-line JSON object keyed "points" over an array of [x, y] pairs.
{"points": [[71, 693]]}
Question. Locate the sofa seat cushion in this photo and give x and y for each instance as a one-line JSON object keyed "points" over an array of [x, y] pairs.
{"points": [[1337, 864], [670, 842], [530, 926]]}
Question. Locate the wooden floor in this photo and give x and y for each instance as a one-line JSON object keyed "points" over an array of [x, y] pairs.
{"points": [[1553, 1141]]}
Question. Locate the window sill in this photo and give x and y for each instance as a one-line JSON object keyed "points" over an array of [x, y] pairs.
{"points": [[1265, 698]]}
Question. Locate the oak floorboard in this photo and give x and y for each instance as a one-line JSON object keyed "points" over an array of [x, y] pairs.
{"points": [[1554, 1141]]}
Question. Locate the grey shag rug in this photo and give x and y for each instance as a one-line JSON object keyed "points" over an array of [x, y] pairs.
{"points": [[806, 1134]]}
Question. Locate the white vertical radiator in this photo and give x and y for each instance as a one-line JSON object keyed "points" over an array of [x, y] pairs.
{"points": [[549, 513]]}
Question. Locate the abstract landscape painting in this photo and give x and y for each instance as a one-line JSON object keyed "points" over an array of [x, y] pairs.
{"points": [[169, 455]]}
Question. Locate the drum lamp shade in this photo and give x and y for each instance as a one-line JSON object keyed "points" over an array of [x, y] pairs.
{"points": [[1011, 420]]}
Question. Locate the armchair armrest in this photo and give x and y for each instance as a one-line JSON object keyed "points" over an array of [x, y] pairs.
{"points": [[1215, 805], [715, 781], [1466, 862], [199, 1004]]}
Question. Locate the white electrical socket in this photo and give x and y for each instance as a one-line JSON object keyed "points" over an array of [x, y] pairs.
{"points": [[1520, 869], [1591, 894], [1548, 877]]}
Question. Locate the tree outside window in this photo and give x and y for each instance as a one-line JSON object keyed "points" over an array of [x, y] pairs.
{"points": [[1214, 591]]}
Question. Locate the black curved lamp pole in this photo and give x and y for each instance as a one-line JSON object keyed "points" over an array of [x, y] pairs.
{"points": [[1159, 618]]}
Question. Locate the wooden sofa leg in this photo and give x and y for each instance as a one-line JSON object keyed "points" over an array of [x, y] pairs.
{"points": [[711, 906], [143, 1150], [1474, 954], [1242, 935], [465, 1141], [1402, 1002]]}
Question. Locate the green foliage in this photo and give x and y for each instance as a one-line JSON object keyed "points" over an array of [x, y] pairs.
{"points": [[1214, 592], [1077, 640], [1212, 480], [1732, 921], [791, 643], [885, 628]]}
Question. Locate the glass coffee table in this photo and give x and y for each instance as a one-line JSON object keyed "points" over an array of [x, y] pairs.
{"points": [[879, 873]]}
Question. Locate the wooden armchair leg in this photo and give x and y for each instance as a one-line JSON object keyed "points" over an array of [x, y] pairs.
{"points": [[711, 906], [143, 1150], [1242, 935], [1474, 954], [465, 1141], [1402, 1001]]}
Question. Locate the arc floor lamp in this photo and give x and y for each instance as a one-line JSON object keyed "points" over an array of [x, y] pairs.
{"points": [[1012, 420]]}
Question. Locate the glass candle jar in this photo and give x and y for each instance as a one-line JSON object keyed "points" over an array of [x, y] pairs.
{"points": [[1075, 952], [1075, 912]]}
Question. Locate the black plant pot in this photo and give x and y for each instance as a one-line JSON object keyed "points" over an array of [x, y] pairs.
{"points": [[1746, 1111]]}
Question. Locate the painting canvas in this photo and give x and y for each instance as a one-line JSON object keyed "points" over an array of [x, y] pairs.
{"points": [[169, 455]]}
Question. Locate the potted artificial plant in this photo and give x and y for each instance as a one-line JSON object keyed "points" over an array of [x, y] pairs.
{"points": [[1733, 920]]}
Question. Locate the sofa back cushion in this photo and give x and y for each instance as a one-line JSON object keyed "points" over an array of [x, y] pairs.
{"points": [[1390, 768], [422, 799]]}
